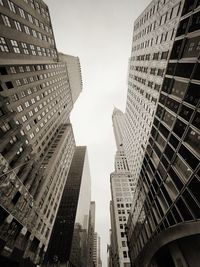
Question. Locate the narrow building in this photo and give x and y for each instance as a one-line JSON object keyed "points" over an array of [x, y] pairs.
{"points": [[122, 187], [69, 240]]}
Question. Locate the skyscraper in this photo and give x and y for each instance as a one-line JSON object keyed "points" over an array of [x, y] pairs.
{"points": [[164, 227], [122, 187], [153, 36], [68, 243], [96, 251], [37, 91], [91, 231]]}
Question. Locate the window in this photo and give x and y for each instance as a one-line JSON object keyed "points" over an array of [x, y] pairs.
{"points": [[5, 127], [17, 26], [19, 108], [18, 82], [188, 157], [11, 6], [34, 33], [179, 128], [28, 127], [6, 21], [155, 56], [32, 135], [183, 209], [188, 6], [3, 71], [182, 168], [123, 243], [30, 113], [176, 49], [21, 69], [192, 95], [167, 85], [27, 30], [125, 254], [164, 55], [186, 112], [175, 11], [22, 14], [30, 18], [184, 69], [16, 198], [32, 47], [192, 48], [172, 104], [193, 140], [195, 22], [27, 104], [15, 46], [194, 186], [13, 70], [179, 89], [9, 85], [25, 49], [3, 45], [182, 27]]}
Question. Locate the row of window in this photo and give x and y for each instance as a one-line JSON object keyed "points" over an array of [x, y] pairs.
{"points": [[186, 48], [11, 23], [25, 15], [148, 14], [13, 46], [147, 57], [166, 36], [39, 7]]}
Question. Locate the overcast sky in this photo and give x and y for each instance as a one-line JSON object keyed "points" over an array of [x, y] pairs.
{"points": [[99, 32]]}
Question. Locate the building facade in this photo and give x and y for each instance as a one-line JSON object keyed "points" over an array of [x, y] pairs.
{"points": [[91, 231], [38, 89], [96, 250], [164, 225], [122, 187], [153, 36], [69, 240]]}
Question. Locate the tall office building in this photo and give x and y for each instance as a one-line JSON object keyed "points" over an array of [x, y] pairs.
{"points": [[38, 89], [164, 225], [68, 244], [110, 251], [153, 36], [91, 231], [96, 251], [122, 187]]}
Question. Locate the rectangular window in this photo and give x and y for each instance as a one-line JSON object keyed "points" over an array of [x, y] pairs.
{"points": [[3, 45], [17, 25], [11, 6], [6, 21], [22, 14], [27, 31]]}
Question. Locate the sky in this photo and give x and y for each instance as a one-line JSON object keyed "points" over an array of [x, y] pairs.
{"points": [[99, 32]]}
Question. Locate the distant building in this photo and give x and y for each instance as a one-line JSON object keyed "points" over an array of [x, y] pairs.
{"points": [[113, 259], [96, 251], [122, 187], [91, 231], [68, 242], [163, 228], [38, 88]]}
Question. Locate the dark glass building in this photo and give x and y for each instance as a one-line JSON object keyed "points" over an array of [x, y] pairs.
{"points": [[164, 226], [68, 243]]}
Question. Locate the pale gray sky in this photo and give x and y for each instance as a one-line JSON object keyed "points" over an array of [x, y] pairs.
{"points": [[99, 32]]}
